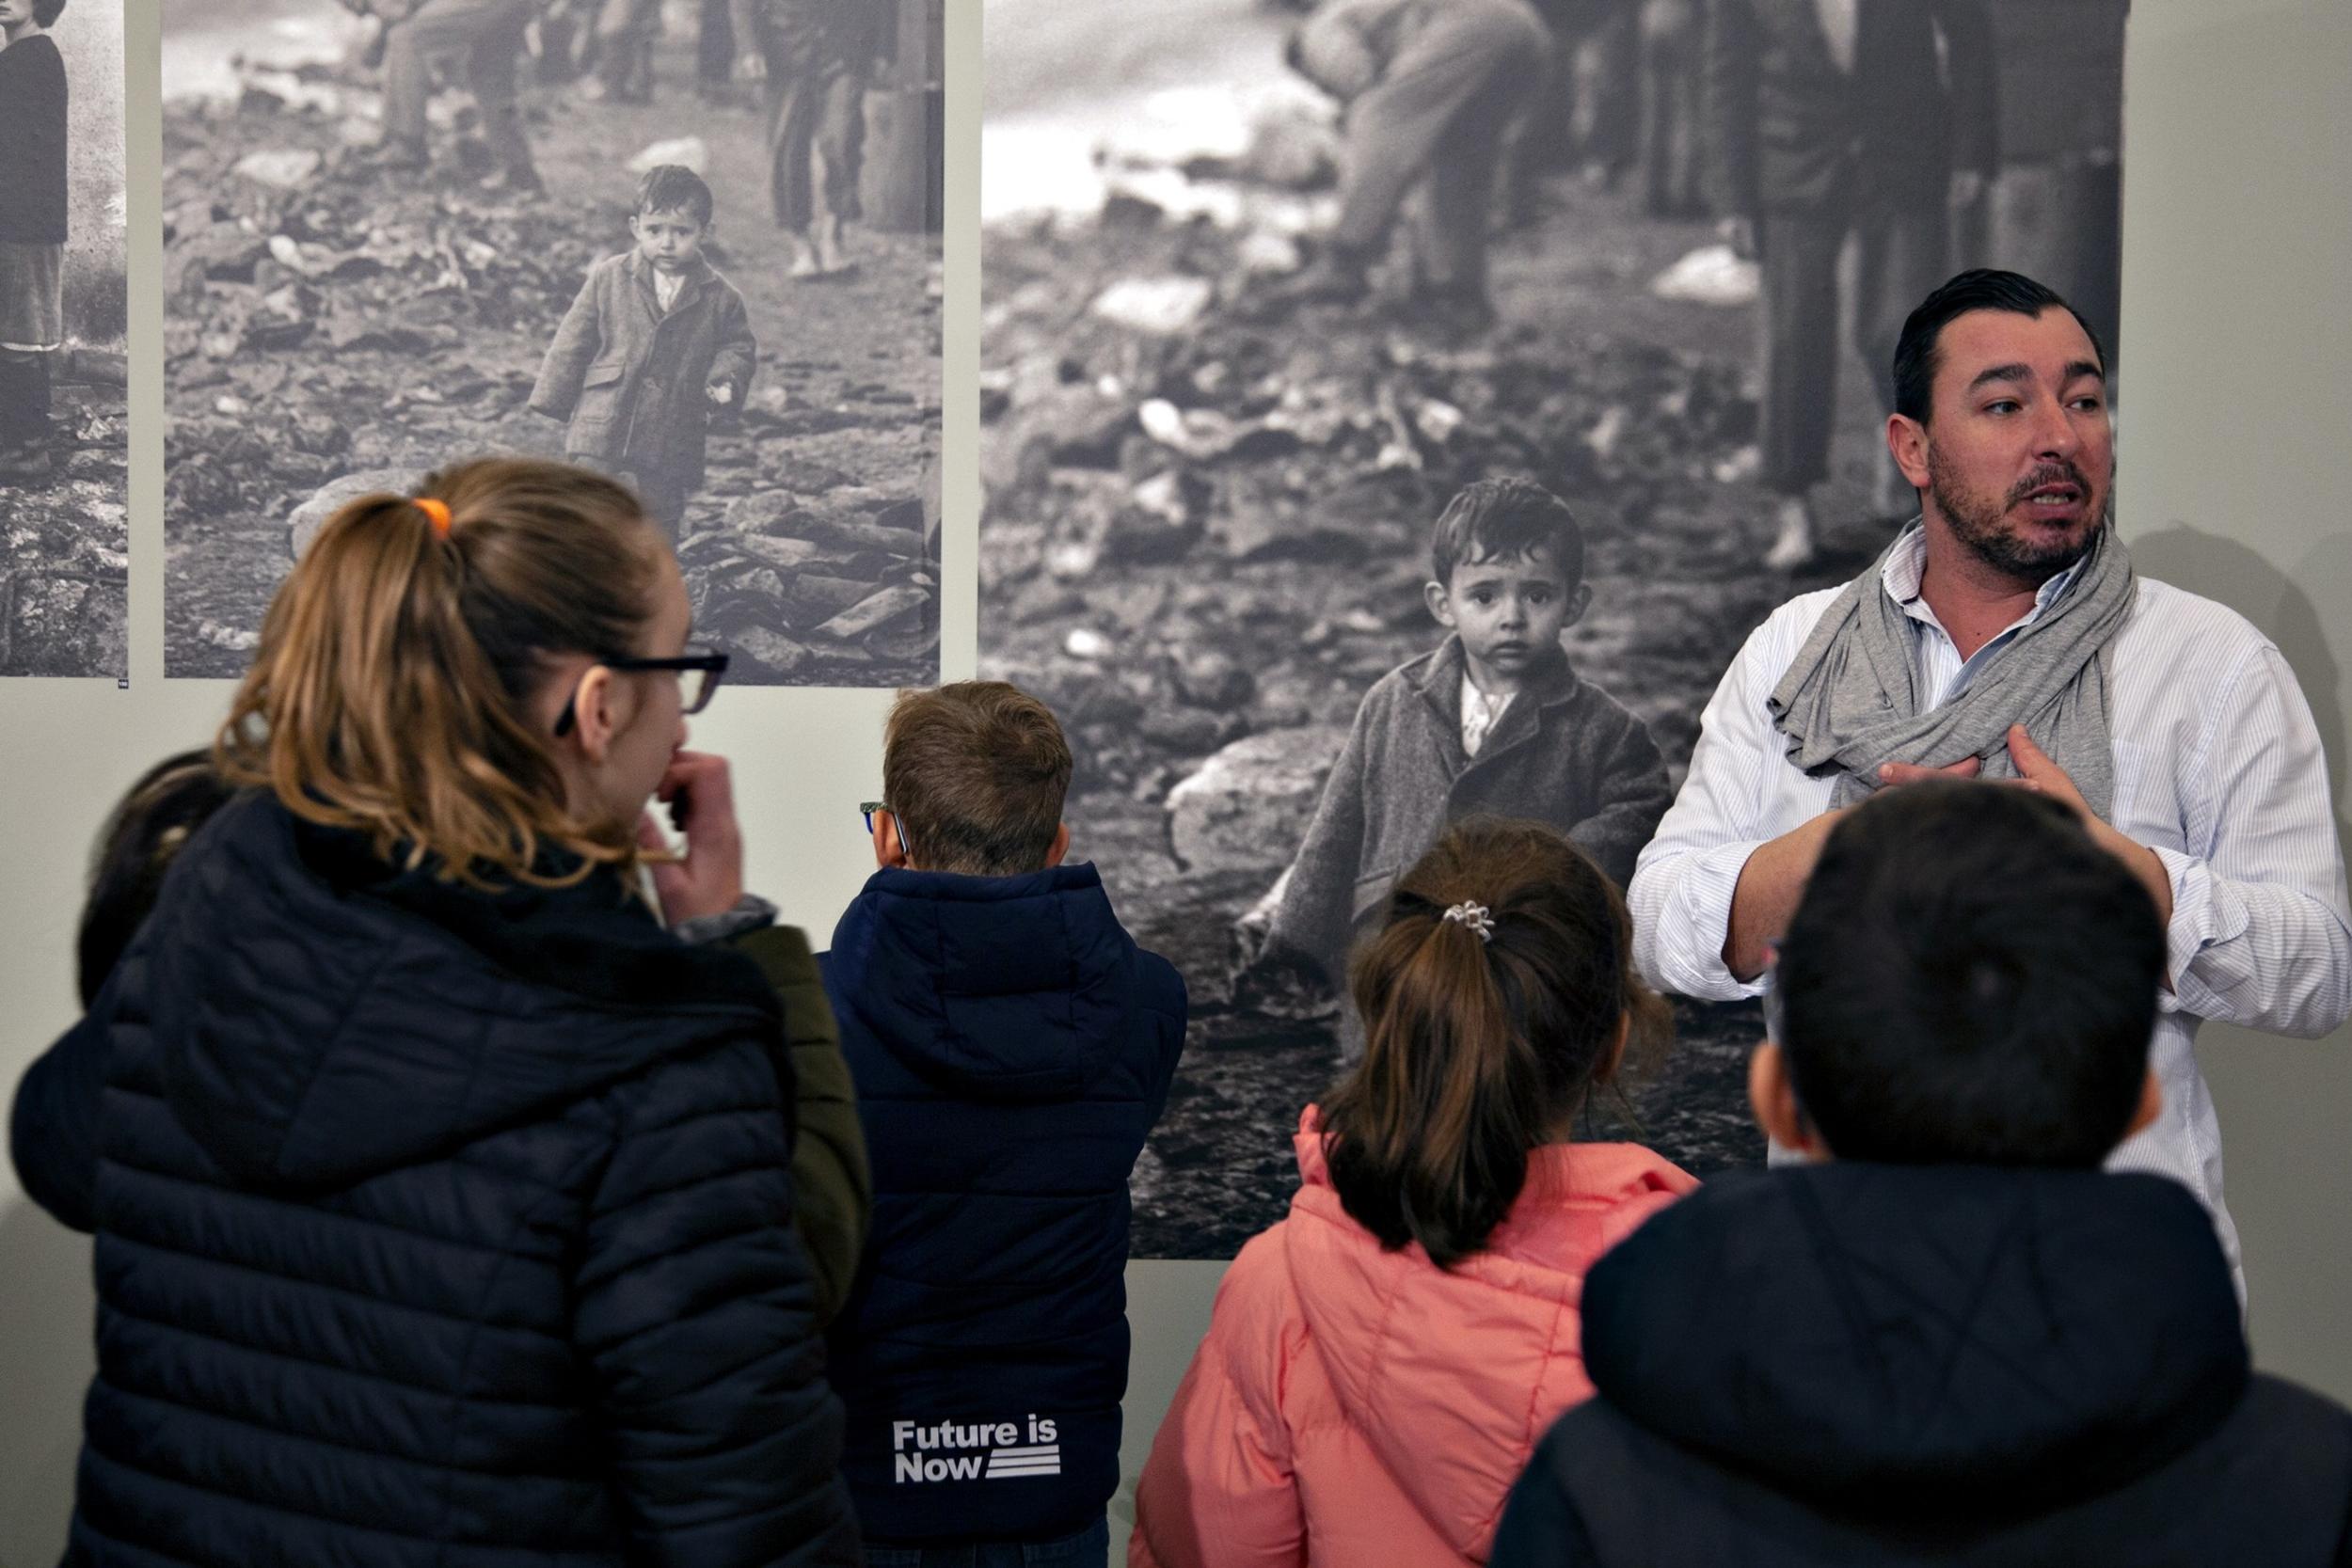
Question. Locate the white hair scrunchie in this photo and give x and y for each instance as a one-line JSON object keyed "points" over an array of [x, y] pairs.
{"points": [[1476, 917]]}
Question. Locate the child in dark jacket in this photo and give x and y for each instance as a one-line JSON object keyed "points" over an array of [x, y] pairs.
{"points": [[172, 800], [1951, 1338], [439, 1192], [1012, 1048], [1494, 722], [656, 343]]}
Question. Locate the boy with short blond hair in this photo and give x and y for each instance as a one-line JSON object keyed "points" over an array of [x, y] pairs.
{"points": [[1012, 1048]]}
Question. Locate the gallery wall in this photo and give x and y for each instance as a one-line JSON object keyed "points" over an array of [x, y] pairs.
{"points": [[2237, 206]]}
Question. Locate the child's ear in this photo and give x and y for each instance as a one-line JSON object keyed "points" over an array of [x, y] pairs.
{"points": [[1439, 602], [1773, 1098], [1061, 847], [1579, 600]]}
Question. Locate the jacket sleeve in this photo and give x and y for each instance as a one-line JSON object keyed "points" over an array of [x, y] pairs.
{"points": [[1317, 915], [1728, 105], [833, 1187], [738, 350], [52, 1129], [695, 1312], [1633, 795], [576, 344], [1219, 1490]]}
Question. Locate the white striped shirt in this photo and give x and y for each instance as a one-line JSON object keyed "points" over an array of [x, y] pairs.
{"points": [[2218, 768]]}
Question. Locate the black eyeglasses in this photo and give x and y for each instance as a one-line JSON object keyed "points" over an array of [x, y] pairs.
{"points": [[867, 808], [694, 696]]}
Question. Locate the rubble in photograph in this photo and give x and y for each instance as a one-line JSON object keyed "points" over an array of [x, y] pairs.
{"points": [[1206, 535], [329, 324]]}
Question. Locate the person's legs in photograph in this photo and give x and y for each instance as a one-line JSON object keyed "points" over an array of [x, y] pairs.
{"points": [[1901, 257], [839, 141], [2059, 221], [626, 34], [714, 50], [491, 62], [1798, 252], [24, 432], [1450, 233], [1396, 130]]}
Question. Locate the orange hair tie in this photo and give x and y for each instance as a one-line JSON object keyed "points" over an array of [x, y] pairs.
{"points": [[437, 511]]}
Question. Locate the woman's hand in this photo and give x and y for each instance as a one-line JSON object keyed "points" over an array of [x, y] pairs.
{"points": [[708, 877]]}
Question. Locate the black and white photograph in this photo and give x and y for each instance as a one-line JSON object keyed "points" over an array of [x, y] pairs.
{"points": [[692, 244], [64, 426], [1300, 318]]}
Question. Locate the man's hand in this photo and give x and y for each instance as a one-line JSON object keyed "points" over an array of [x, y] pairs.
{"points": [[720, 395], [751, 66], [708, 877], [2036, 771], [1739, 233]]}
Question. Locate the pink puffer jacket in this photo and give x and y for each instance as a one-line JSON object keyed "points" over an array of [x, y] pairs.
{"points": [[1352, 1406]]}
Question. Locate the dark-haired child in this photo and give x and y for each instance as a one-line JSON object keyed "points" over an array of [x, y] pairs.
{"points": [[657, 342], [1379, 1363], [1949, 1337], [33, 102], [1493, 721]]}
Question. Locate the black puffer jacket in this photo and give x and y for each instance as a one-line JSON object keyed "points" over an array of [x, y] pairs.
{"points": [[1997, 1369], [433, 1229]]}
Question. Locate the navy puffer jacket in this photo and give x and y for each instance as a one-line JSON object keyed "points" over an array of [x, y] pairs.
{"points": [[433, 1227], [1013, 1047]]}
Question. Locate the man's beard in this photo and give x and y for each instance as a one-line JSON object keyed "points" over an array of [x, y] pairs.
{"points": [[1975, 520]]}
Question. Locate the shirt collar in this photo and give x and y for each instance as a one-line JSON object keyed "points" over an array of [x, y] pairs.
{"points": [[1907, 563]]}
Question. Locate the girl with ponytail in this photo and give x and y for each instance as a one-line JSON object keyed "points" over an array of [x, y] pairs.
{"points": [[442, 1184], [1381, 1363]]}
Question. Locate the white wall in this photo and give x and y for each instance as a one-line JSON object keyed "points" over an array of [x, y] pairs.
{"points": [[2238, 219]]}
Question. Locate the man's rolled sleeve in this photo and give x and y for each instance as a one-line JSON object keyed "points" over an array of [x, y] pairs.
{"points": [[1682, 918]]}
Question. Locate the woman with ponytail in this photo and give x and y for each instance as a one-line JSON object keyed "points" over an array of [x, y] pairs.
{"points": [[1381, 1363], [442, 1184]]}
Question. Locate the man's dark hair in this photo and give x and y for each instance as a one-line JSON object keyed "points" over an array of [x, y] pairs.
{"points": [[1505, 517], [1917, 352], [1969, 980], [674, 188], [976, 772]]}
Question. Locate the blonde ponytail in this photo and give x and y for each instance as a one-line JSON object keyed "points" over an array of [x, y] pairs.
{"points": [[389, 690]]}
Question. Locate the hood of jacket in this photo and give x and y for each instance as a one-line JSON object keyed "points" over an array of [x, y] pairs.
{"points": [[1452, 1376], [1911, 1341], [320, 1016], [992, 988]]}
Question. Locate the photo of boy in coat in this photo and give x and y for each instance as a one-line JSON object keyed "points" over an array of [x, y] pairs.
{"points": [[1494, 721], [655, 345]]}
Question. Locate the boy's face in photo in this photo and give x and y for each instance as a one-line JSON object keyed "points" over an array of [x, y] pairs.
{"points": [[1509, 612], [669, 240]]}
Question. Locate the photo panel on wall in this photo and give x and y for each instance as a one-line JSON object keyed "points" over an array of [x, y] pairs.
{"points": [[64, 424], [692, 242], [1269, 284]]}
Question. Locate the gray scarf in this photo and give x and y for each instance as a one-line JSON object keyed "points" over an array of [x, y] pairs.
{"points": [[1851, 700]]}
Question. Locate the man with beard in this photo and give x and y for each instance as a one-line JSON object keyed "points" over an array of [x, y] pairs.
{"points": [[2005, 635]]}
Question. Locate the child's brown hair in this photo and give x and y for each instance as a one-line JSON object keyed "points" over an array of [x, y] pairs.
{"points": [[1491, 1000], [976, 773], [388, 692]]}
